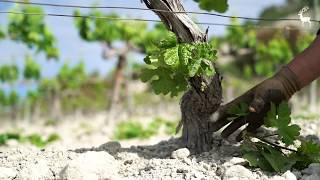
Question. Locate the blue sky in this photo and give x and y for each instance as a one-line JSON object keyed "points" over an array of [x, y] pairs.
{"points": [[73, 49]]}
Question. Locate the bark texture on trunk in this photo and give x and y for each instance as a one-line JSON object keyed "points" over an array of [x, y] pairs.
{"points": [[118, 79], [56, 111], [197, 105]]}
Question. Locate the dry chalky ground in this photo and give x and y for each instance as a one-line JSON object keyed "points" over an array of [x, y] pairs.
{"points": [[165, 160]]}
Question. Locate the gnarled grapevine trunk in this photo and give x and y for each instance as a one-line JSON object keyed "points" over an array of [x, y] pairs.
{"points": [[197, 106], [118, 80]]}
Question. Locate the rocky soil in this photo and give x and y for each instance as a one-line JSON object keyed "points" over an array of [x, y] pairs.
{"points": [[158, 158]]}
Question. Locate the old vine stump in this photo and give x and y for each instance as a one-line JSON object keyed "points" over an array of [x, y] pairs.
{"points": [[204, 98]]}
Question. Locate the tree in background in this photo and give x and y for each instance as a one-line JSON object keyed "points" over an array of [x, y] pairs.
{"points": [[35, 34], [133, 37], [9, 75], [32, 74], [32, 30], [49, 91], [71, 79]]}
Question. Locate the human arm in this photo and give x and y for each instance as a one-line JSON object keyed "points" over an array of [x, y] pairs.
{"points": [[301, 71]]}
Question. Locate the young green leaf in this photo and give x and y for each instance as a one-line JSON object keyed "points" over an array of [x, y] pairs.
{"points": [[217, 5], [279, 117], [194, 67], [173, 64], [185, 53], [279, 161], [171, 57], [266, 157], [308, 152], [252, 153]]}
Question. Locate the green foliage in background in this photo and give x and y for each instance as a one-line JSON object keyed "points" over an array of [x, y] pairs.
{"points": [[33, 97], [135, 129], [216, 5], [39, 141], [48, 86], [72, 77], [97, 29], [13, 98], [9, 73], [148, 41], [137, 34], [269, 154], [279, 117], [2, 33], [173, 63], [240, 37], [260, 55], [35, 139], [32, 30], [3, 100], [32, 69], [90, 97], [304, 41], [7, 136], [287, 8], [108, 31], [129, 130], [276, 52], [9, 101]]}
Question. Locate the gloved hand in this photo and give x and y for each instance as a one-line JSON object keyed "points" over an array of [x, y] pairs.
{"points": [[278, 88]]}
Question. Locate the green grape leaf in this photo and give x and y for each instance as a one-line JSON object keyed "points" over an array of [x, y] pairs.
{"points": [[279, 117], [252, 153], [169, 42], [163, 81], [279, 161], [207, 68], [266, 157], [173, 64], [309, 147], [255, 159], [184, 53], [308, 152], [193, 67], [220, 6], [147, 74], [171, 57], [260, 152], [205, 51]]}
